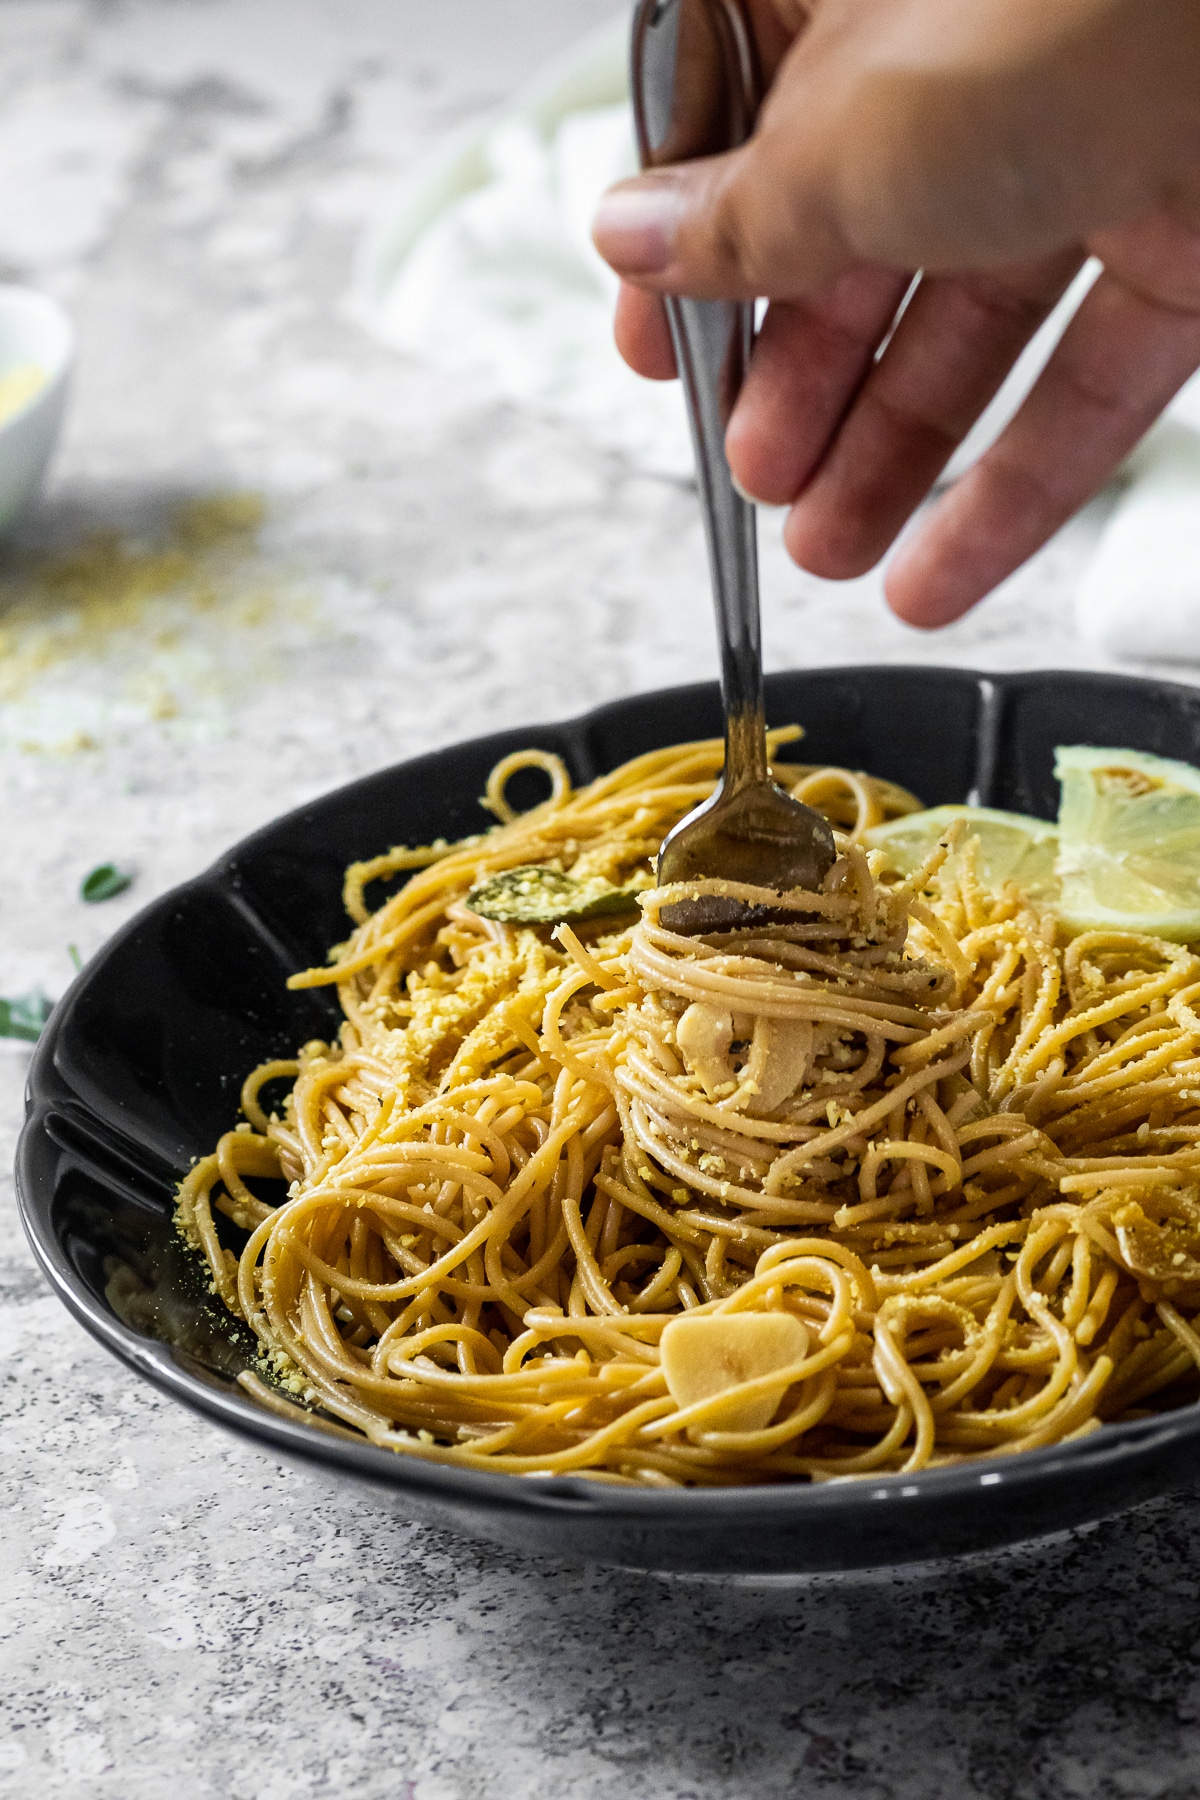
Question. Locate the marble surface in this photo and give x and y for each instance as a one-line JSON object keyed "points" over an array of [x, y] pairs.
{"points": [[177, 1612]]}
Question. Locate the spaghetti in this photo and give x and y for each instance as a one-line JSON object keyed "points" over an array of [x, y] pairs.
{"points": [[892, 1176]]}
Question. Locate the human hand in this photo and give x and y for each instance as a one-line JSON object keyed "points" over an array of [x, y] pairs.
{"points": [[993, 146]]}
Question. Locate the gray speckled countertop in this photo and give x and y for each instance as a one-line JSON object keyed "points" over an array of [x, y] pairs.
{"points": [[178, 1614]]}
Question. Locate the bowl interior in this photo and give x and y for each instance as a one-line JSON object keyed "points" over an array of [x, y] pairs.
{"points": [[139, 1071]]}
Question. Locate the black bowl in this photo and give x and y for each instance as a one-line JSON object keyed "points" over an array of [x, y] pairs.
{"points": [[139, 1069]]}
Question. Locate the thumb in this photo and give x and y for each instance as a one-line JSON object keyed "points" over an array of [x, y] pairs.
{"points": [[755, 222]]}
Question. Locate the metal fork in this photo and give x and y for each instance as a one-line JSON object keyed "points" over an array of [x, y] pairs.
{"points": [[696, 92]]}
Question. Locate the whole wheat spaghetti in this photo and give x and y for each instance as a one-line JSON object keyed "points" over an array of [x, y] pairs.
{"points": [[894, 1176]]}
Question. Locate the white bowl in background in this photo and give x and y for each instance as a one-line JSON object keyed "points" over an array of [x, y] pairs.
{"points": [[33, 329]]}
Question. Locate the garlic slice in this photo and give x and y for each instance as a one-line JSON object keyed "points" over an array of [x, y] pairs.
{"points": [[780, 1054], [716, 1353], [703, 1036]]}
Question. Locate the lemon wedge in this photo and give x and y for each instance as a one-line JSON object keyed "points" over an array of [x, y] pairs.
{"points": [[1012, 846], [1129, 842]]}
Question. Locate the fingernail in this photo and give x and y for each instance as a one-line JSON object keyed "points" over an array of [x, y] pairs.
{"points": [[634, 228]]}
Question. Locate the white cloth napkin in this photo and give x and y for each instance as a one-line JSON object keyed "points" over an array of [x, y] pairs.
{"points": [[500, 283], [485, 267], [1140, 595]]}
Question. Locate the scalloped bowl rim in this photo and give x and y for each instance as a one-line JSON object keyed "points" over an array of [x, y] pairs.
{"points": [[499, 1493]]}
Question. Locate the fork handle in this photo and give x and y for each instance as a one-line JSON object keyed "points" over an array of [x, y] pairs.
{"points": [[696, 92]]}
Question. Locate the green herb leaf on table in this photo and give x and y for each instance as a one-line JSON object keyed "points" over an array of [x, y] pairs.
{"points": [[104, 883], [25, 1016]]}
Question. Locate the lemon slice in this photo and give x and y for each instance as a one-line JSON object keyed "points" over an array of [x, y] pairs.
{"points": [[1012, 846], [1129, 842]]}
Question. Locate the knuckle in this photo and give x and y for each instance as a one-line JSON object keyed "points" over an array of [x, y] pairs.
{"points": [[1156, 258]]}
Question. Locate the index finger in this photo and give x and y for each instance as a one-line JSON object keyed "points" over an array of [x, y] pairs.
{"points": [[642, 334]]}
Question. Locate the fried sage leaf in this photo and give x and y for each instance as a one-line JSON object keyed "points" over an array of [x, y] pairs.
{"points": [[536, 895]]}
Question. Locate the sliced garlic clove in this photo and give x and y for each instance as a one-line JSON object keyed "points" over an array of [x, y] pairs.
{"points": [[703, 1036], [780, 1054], [716, 1353], [1159, 1235]]}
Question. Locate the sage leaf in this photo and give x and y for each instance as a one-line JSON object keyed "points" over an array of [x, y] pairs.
{"points": [[536, 895], [25, 1016], [104, 883]]}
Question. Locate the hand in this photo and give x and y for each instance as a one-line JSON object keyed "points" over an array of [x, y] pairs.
{"points": [[993, 146]]}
